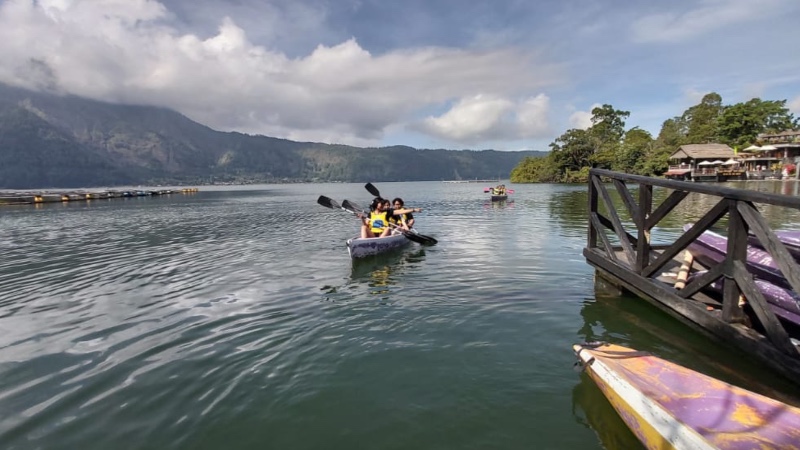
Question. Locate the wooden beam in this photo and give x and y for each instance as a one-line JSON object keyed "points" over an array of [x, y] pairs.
{"points": [[665, 207], [775, 331], [601, 232], [607, 223], [702, 281], [718, 191], [616, 222], [643, 248], [627, 200], [710, 218], [592, 235], [735, 252], [772, 244]]}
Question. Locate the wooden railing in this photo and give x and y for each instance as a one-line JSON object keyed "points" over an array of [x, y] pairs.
{"points": [[640, 257]]}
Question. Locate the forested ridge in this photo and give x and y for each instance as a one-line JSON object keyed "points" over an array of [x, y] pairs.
{"points": [[49, 140], [608, 144]]}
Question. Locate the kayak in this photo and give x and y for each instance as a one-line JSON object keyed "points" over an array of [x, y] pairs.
{"points": [[361, 247], [710, 248], [789, 238], [668, 406], [499, 198]]}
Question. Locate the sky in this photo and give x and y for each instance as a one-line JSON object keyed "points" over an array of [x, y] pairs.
{"points": [[456, 74]]}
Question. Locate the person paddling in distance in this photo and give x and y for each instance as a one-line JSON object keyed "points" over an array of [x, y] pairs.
{"points": [[376, 224]]}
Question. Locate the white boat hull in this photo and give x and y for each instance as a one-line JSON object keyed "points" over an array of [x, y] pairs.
{"points": [[360, 248]]}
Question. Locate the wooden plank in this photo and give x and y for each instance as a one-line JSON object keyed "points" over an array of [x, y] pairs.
{"points": [[735, 252], [702, 281], [616, 222], [718, 191], [607, 223], [775, 331], [665, 207], [770, 241], [606, 243], [592, 237], [710, 218], [627, 200], [643, 249]]}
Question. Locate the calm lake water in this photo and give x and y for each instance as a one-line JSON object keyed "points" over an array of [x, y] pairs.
{"points": [[233, 318]]}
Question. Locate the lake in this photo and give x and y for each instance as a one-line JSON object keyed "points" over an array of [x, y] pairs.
{"points": [[233, 318]]}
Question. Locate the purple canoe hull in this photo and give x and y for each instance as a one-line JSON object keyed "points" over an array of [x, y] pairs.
{"points": [[789, 238], [668, 406], [710, 248]]}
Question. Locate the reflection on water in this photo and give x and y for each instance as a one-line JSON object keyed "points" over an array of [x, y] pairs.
{"points": [[378, 275], [632, 322], [498, 205], [592, 410]]}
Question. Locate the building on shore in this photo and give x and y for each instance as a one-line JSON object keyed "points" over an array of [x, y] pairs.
{"points": [[704, 162]]}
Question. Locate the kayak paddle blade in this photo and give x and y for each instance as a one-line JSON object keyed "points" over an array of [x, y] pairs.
{"points": [[328, 202], [372, 189]]}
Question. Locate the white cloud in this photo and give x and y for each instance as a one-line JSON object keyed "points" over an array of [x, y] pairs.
{"points": [[582, 120], [707, 16], [339, 93], [486, 117], [794, 105]]}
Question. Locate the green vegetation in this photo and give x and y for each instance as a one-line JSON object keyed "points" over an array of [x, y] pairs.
{"points": [[607, 144]]}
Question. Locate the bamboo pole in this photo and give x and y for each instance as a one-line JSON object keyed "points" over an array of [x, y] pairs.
{"points": [[683, 273]]}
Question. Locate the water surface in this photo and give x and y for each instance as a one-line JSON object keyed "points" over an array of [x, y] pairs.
{"points": [[234, 318]]}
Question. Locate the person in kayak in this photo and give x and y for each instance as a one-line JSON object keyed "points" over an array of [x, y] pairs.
{"points": [[406, 221], [376, 223]]}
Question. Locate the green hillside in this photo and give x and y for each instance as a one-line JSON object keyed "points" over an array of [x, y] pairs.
{"points": [[48, 140]]}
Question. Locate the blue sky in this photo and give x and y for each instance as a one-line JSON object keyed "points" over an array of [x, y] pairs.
{"points": [[476, 74]]}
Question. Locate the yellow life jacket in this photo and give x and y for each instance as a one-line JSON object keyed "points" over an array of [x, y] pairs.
{"points": [[378, 221]]}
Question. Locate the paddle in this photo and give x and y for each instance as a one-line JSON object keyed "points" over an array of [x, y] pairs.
{"points": [[508, 191], [410, 235], [328, 202], [372, 189]]}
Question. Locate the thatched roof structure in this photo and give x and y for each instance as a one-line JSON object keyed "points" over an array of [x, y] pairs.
{"points": [[703, 151]]}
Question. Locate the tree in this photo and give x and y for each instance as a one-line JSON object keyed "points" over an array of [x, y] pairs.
{"points": [[740, 124], [606, 131], [671, 136], [636, 143], [572, 150], [701, 120], [608, 124], [535, 170]]}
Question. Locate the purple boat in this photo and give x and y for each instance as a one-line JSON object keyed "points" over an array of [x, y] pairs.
{"points": [[785, 303], [668, 406], [710, 248], [789, 238]]}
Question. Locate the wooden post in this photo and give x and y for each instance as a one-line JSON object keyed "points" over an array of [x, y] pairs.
{"points": [[736, 252], [592, 238], [643, 243]]}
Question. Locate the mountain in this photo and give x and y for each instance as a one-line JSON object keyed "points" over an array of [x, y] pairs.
{"points": [[47, 140]]}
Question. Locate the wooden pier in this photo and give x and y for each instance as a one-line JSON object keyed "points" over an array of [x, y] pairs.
{"points": [[632, 263], [8, 198]]}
